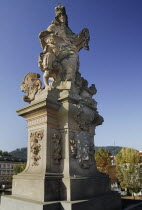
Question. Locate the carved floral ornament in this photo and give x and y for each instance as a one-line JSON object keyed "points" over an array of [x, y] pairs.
{"points": [[82, 149], [35, 140], [56, 138]]}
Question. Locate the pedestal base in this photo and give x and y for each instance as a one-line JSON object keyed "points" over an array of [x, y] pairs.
{"points": [[39, 188], [15, 203], [109, 201]]}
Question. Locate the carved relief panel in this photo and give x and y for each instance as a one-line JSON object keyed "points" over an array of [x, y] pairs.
{"points": [[82, 149], [36, 138]]}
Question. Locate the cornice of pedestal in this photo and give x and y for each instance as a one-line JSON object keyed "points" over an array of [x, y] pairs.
{"points": [[37, 105]]}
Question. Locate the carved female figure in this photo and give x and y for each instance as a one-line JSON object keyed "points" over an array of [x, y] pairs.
{"points": [[60, 48]]}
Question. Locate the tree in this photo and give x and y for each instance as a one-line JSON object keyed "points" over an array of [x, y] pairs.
{"points": [[19, 168], [5, 153], [103, 160], [129, 169], [112, 149]]}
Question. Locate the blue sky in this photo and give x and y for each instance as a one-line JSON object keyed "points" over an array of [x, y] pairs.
{"points": [[114, 63]]}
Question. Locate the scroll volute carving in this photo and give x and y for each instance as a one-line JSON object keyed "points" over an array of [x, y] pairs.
{"points": [[31, 85]]}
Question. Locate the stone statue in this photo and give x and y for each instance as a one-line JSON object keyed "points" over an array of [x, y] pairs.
{"points": [[59, 58], [61, 171]]}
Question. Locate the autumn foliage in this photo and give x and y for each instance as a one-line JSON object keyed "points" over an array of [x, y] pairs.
{"points": [[103, 160]]}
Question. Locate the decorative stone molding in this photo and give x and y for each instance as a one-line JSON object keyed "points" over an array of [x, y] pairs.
{"points": [[31, 85], [35, 140], [56, 138], [38, 121]]}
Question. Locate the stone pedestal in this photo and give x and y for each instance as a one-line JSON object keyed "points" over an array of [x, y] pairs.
{"points": [[42, 177], [61, 162], [61, 171]]}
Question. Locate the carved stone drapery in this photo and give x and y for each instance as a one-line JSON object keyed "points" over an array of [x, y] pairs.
{"points": [[84, 117], [56, 138], [31, 85], [35, 140]]}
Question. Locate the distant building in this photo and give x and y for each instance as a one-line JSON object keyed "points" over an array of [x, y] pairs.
{"points": [[7, 164]]}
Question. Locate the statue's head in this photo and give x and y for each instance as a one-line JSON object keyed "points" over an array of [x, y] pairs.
{"points": [[61, 16]]}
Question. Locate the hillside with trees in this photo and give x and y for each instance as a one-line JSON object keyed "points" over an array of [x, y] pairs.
{"points": [[114, 150], [5, 153], [20, 153]]}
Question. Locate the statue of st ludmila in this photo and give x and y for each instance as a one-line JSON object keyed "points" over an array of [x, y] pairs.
{"points": [[59, 58]]}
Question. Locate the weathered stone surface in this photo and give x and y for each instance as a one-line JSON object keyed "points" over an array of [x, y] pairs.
{"points": [[54, 163], [31, 85], [109, 201], [15, 203], [61, 122]]}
